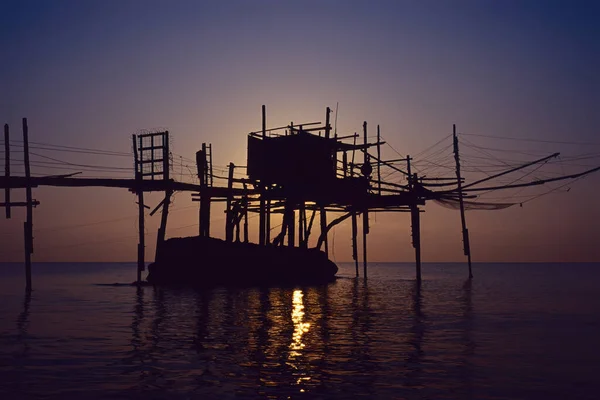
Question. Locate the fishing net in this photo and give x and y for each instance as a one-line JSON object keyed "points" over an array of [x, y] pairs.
{"points": [[454, 204]]}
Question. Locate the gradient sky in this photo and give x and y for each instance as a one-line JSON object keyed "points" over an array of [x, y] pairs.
{"points": [[91, 73]]}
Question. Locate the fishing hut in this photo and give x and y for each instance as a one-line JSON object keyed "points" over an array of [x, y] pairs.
{"points": [[295, 171]]}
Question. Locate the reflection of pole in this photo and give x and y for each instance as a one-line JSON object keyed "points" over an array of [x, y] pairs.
{"points": [[465, 231], [29, 222]]}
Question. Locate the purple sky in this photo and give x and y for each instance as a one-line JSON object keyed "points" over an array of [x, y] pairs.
{"points": [[90, 73]]}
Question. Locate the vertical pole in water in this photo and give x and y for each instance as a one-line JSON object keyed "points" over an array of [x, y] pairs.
{"points": [[245, 211], [415, 219], [301, 224], [268, 218], [29, 223], [354, 244], [323, 220], [7, 169], [262, 224], [378, 160], [201, 168], [366, 207], [162, 230], [229, 213], [465, 231], [322, 212], [140, 192], [290, 220]]}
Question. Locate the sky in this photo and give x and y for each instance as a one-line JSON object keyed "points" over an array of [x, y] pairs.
{"points": [[89, 74]]}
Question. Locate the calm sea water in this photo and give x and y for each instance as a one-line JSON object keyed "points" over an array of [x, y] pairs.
{"points": [[518, 331]]}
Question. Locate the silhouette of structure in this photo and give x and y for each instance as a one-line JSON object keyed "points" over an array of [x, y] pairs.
{"points": [[297, 171]]}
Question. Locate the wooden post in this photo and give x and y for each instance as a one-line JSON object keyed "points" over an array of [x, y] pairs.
{"points": [[29, 222], [229, 213], [262, 223], [323, 223], [7, 169], [301, 224], [327, 124], [291, 221], [204, 175], [415, 216], [245, 211], [365, 232], [415, 219], [465, 231], [268, 218], [378, 160], [345, 163], [138, 158], [162, 230], [366, 210], [354, 244]]}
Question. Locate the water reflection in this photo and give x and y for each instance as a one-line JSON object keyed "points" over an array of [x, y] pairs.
{"points": [[350, 338], [300, 328]]}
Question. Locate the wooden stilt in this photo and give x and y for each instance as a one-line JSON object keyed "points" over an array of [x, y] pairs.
{"points": [[365, 232], [415, 220], [138, 157], [415, 216], [162, 230], [245, 211], [291, 225], [28, 226], [262, 223], [354, 244], [301, 225], [465, 231], [378, 160], [229, 212], [323, 221], [268, 221], [7, 169]]}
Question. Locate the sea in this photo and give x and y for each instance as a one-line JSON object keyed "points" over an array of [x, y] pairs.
{"points": [[515, 331]]}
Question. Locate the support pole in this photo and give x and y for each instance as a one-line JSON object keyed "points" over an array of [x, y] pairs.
{"points": [[415, 219], [204, 177], [327, 125], [301, 224], [268, 220], [415, 216], [465, 231], [29, 222], [365, 232], [323, 221], [366, 210], [7, 169], [229, 211], [262, 223], [291, 225], [245, 211], [378, 160], [162, 230], [140, 192], [354, 244]]}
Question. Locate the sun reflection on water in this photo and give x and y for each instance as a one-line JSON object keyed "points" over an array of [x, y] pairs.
{"points": [[300, 328]]}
